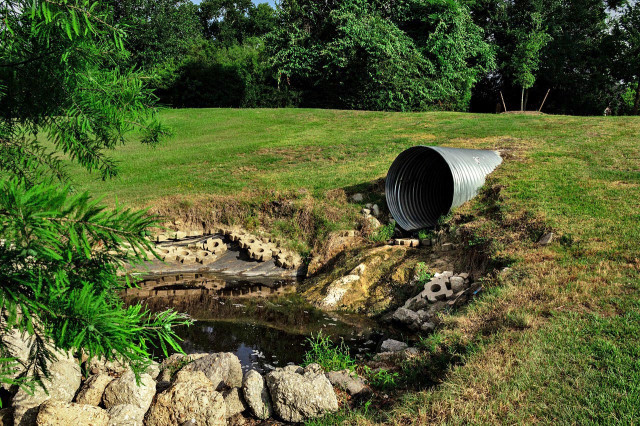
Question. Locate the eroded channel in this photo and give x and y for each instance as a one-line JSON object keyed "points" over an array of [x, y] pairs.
{"points": [[260, 319]]}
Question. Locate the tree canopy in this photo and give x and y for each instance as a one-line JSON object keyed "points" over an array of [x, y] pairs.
{"points": [[359, 54]]}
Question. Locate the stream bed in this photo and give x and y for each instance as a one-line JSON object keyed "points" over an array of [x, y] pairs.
{"points": [[261, 320]]}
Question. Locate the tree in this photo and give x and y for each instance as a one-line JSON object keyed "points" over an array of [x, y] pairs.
{"points": [[526, 57], [226, 21], [62, 92], [408, 55], [627, 33], [576, 63], [157, 30]]}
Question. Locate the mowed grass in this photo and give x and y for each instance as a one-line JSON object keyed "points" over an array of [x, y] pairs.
{"points": [[557, 340]]}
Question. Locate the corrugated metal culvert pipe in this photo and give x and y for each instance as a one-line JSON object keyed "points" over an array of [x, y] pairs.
{"points": [[425, 182]]}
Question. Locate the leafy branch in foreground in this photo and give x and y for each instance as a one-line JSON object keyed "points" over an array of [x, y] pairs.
{"points": [[59, 78], [59, 260]]}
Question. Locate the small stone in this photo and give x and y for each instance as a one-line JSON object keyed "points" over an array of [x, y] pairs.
{"points": [[357, 198], [62, 384], [546, 239], [348, 382], [366, 212], [391, 345], [427, 326], [91, 391], [256, 395], [373, 222], [375, 210], [457, 284]]}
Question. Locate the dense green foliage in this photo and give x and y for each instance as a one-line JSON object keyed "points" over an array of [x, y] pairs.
{"points": [[59, 259], [157, 30], [357, 54], [60, 253], [55, 78], [627, 33], [397, 55]]}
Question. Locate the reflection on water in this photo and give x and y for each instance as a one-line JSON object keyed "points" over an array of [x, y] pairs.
{"points": [[257, 346], [265, 332]]}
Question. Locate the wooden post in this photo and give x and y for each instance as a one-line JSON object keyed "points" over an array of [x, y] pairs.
{"points": [[544, 100], [503, 104]]}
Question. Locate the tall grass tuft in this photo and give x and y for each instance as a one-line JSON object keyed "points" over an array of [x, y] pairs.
{"points": [[329, 356]]}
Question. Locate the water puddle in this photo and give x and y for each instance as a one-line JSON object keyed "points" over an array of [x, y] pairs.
{"points": [[260, 319]]}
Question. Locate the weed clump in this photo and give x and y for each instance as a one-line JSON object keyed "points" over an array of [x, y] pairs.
{"points": [[384, 233], [329, 356]]}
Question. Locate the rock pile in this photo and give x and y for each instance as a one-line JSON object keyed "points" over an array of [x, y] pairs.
{"points": [[445, 289], [201, 389]]}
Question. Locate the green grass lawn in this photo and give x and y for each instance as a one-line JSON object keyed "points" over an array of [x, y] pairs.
{"points": [[557, 341]]}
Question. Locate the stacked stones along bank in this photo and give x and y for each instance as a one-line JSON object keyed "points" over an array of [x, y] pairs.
{"points": [[205, 389], [171, 247]]}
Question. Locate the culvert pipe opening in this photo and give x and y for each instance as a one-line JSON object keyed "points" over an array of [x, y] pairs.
{"points": [[426, 182]]}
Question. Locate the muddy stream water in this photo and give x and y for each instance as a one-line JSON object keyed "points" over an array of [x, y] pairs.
{"points": [[258, 317]]}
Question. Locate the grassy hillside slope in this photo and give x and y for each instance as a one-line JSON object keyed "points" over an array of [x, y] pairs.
{"points": [[557, 339]]}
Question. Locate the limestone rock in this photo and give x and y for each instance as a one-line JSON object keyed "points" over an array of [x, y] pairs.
{"points": [[391, 345], [234, 402], [62, 385], [93, 389], [297, 397], [191, 396], [457, 284], [223, 369], [373, 222], [256, 395], [357, 198], [153, 369], [99, 365], [56, 413], [17, 345], [125, 390], [126, 415], [427, 326], [350, 382], [337, 290]]}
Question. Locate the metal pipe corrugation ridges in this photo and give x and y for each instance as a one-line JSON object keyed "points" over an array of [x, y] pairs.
{"points": [[426, 182]]}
